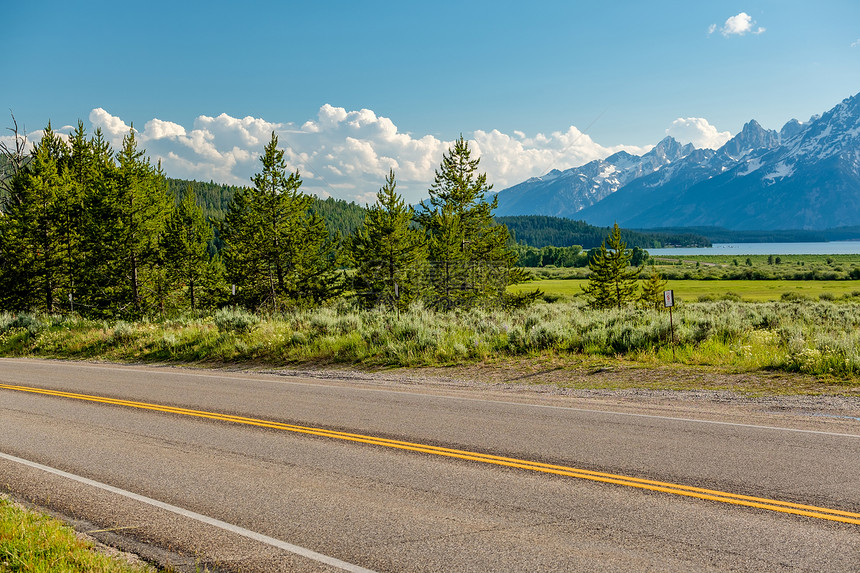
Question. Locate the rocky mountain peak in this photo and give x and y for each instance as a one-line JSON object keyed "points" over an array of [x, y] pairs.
{"points": [[752, 137]]}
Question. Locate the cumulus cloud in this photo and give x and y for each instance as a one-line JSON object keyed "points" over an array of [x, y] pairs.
{"points": [[113, 127], [33, 137], [738, 25], [344, 153], [698, 131]]}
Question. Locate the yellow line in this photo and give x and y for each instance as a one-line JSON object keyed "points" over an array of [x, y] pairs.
{"points": [[652, 485]]}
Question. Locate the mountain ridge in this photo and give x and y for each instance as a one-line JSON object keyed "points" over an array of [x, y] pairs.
{"points": [[805, 176]]}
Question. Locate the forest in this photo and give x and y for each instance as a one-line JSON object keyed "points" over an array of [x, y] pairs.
{"points": [[105, 233], [542, 231]]}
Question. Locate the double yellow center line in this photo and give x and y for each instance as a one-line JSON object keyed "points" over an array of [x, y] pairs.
{"points": [[664, 487]]}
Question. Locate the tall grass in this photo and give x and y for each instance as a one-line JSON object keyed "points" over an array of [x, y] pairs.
{"points": [[36, 543], [821, 337]]}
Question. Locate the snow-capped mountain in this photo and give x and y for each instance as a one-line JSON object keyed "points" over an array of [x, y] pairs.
{"points": [[564, 193], [806, 176], [674, 179]]}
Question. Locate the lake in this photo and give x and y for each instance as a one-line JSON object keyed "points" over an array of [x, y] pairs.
{"points": [[822, 248]]}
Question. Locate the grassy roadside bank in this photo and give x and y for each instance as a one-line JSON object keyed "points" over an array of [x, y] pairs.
{"points": [[821, 339], [35, 543]]}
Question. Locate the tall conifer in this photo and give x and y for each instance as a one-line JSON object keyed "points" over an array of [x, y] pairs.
{"points": [[278, 251], [612, 282], [387, 252], [474, 263], [184, 249]]}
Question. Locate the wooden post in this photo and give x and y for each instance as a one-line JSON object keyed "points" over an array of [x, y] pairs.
{"points": [[669, 302]]}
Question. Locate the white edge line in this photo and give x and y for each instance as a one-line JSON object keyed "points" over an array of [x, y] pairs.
{"points": [[265, 378], [308, 553]]}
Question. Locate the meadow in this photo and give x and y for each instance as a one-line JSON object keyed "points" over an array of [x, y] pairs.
{"points": [[727, 267], [691, 290], [820, 338]]}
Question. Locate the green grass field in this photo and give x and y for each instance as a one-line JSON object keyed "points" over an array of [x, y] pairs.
{"points": [[691, 290]]}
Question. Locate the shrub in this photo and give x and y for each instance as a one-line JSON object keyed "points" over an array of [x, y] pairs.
{"points": [[24, 320], [235, 319], [122, 332], [794, 297]]}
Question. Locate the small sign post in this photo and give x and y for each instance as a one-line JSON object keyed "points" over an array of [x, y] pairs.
{"points": [[669, 302]]}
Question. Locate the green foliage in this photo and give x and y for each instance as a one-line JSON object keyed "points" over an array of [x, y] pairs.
{"points": [[652, 290], [612, 282], [472, 261], [186, 257], [542, 231], [571, 256], [214, 198], [388, 253], [342, 219], [31, 230], [35, 543], [127, 218], [235, 319], [817, 338], [278, 252]]}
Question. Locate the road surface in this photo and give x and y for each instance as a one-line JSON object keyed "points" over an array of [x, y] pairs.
{"points": [[255, 472]]}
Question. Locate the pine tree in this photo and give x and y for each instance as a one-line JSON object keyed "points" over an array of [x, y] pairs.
{"points": [[82, 169], [278, 251], [127, 212], [184, 249], [388, 254], [612, 282], [473, 260], [31, 233], [652, 290]]}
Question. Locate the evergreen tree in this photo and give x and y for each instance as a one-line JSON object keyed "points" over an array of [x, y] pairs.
{"points": [[184, 249], [612, 282], [278, 252], [473, 261], [32, 231], [83, 166], [127, 212], [652, 290], [388, 254]]}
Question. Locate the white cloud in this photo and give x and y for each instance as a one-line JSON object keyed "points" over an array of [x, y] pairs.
{"points": [[699, 132], [113, 127], [738, 25], [157, 129], [33, 137], [855, 43], [342, 153]]}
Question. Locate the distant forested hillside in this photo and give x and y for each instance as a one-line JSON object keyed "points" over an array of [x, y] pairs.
{"points": [[341, 217], [214, 197], [542, 231]]}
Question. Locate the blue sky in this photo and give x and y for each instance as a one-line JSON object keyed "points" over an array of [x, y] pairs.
{"points": [[353, 88]]}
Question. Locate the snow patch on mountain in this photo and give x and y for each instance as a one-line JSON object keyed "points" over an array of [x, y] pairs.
{"points": [[781, 171]]}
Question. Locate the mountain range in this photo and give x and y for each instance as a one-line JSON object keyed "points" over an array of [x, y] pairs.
{"points": [[805, 176]]}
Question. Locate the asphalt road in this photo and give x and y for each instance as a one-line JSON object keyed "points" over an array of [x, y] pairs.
{"points": [[200, 492]]}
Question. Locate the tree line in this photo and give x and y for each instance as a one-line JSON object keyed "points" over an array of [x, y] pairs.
{"points": [[543, 231], [106, 233]]}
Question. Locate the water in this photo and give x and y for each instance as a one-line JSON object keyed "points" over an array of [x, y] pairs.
{"points": [[823, 248]]}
